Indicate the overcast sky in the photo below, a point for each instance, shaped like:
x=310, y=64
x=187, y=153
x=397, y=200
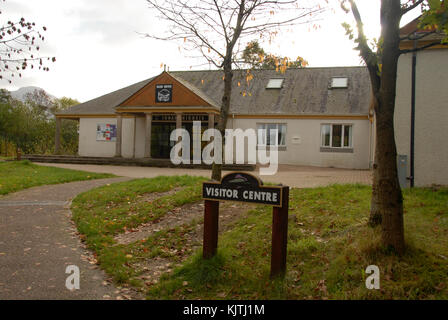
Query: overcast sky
x=99, y=49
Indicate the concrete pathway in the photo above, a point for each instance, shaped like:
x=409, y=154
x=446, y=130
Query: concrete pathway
x=294, y=176
x=38, y=241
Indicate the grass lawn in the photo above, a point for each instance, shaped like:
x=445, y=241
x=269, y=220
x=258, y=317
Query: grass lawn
x=18, y=175
x=329, y=244
x=104, y=212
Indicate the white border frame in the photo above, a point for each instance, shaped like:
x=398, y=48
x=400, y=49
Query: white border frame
x=331, y=135
x=276, y=136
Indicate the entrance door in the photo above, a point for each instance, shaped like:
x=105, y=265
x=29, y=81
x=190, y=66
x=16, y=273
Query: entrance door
x=160, y=139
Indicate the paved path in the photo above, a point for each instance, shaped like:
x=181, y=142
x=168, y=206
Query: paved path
x=38, y=241
x=294, y=176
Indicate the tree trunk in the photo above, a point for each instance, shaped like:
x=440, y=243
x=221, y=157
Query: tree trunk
x=375, y=217
x=225, y=106
x=390, y=199
x=18, y=154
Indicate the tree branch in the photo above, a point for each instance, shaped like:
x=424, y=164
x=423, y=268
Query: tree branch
x=367, y=54
x=406, y=9
x=369, y=57
x=224, y=27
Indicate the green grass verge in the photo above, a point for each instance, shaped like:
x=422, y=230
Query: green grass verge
x=7, y=158
x=19, y=175
x=329, y=244
x=329, y=247
x=102, y=213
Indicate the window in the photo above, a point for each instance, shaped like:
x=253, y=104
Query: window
x=275, y=83
x=336, y=135
x=339, y=82
x=271, y=134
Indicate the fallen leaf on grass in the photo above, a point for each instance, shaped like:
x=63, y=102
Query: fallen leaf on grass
x=440, y=287
x=321, y=287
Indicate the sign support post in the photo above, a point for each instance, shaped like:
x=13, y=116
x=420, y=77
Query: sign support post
x=211, y=216
x=280, y=236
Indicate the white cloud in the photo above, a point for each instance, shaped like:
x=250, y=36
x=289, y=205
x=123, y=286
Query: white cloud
x=98, y=49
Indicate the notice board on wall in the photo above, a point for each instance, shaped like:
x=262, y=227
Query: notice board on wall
x=106, y=132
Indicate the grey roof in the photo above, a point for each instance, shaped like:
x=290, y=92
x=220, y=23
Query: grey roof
x=305, y=91
x=106, y=103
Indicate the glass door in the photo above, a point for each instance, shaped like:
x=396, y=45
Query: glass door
x=160, y=139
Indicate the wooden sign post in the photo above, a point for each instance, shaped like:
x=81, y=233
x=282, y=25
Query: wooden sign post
x=211, y=217
x=244, y=187
x=280, y=235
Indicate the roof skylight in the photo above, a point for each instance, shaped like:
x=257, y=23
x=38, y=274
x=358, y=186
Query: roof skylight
x=339, y=82
x=275, y=83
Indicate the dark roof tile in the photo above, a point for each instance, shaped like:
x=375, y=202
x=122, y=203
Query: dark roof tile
x=305, y=91
x=106, y=103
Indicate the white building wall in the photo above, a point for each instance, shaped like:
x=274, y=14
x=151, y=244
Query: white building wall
x=303, y=142
x=88, y=146
x=140, y=137
x=127, y=146
x=304, y=150
x=431, y=115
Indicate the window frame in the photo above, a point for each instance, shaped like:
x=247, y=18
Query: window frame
x=350, y=146
x=266, y=134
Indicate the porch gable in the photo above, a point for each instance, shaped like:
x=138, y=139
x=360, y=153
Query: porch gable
x=167, y=91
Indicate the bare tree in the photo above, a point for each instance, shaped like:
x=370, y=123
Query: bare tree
x=19, y=46
x=217, y=30
x=387, y=199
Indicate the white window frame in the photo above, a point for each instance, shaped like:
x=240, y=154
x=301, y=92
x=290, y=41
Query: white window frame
x=263, y=143
x=342, y=135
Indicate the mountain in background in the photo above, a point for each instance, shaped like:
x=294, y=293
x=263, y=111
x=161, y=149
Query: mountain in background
x=22, y=93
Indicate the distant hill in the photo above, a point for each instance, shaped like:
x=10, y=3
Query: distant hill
x=24, y=91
